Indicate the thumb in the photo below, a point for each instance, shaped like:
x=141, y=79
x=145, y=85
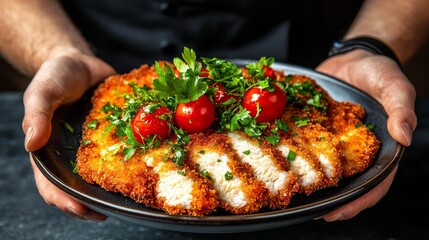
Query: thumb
x=402, y=119
x=56, y=82
x=38, y=114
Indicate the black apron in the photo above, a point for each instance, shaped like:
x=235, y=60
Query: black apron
x=128, y=33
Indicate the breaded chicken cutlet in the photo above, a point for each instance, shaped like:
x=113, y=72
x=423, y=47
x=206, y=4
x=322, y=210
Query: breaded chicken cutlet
x=231, y=170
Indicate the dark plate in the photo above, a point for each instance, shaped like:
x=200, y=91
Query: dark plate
x=54, y=160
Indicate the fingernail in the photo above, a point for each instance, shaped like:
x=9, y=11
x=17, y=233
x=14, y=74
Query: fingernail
x=339, y=217
x=72, y=212
x=94, y=216
x=28, y=136
x=406, y=130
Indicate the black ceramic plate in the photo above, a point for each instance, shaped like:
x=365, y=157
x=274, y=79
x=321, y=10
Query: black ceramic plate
x=54, y=160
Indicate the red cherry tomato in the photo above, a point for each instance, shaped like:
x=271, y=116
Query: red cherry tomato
x=221, y=95
x=204, y=73
x=271, y=104
x=269, y=72
x=177, y=73
x=145, y=123
x=195, y=116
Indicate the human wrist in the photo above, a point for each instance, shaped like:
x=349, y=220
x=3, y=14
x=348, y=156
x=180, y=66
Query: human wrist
x=370, y=44
x=58, y=52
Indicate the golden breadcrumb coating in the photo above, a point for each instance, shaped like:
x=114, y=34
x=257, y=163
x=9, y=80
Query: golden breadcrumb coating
x=231, y=171
x=98, y=163
x=241, y=192
x=267, y=165
x=358, y=145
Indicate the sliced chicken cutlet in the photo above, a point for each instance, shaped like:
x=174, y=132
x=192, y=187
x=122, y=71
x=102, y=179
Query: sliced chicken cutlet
x=326, y=141
x=303, y=164
x=179, y=190
x=318, y=141
x=147, y=177
x=358, y=145
x=306, y=124
x=268, y=166
x=238, y=190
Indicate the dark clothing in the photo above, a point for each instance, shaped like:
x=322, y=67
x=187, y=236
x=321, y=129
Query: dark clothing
x=128, y=33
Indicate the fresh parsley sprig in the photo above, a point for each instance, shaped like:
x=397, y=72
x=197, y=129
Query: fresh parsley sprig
x=228, y=74
x=297, y=92
x=256, y=70
x=189, y=87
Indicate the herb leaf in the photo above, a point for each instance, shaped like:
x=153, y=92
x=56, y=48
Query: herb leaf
x=187, y=88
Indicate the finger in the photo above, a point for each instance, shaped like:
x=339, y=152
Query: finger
x=397, y=95
x=58, y=81
x=383, y=79
x=399, y=106
x=56, y=197
x=52, y=86
x=36, y=123
x=366, y=201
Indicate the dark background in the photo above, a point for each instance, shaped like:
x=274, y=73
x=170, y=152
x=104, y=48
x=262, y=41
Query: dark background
x=401, y=214
x=417, y=71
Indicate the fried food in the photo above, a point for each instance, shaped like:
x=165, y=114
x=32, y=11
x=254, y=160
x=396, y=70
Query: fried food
x=322, y=142
x=236, y=187
x=357, y=144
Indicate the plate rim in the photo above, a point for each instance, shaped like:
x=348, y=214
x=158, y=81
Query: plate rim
x=237, y=220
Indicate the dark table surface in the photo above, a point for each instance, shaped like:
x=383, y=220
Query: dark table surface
x=401, y=214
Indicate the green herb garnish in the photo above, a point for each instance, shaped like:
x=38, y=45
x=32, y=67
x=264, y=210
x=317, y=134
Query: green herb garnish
x=291, y=156
x=228, y=175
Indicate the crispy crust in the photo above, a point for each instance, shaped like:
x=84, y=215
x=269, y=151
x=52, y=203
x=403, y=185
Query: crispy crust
x=255, y=194
x=330, y=145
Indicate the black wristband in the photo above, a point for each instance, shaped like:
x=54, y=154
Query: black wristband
x=370, y=44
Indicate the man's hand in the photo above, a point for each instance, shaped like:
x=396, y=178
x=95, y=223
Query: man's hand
x=60, y=80
x=383, y=79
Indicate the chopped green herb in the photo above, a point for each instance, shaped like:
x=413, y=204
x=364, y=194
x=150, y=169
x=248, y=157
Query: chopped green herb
x=151, y=107
x=128, y=152
x=201, y=151
x=273, y=139
x=291, y=156
x=92, y=124
x=205, y=174
x=297, y=93
x=228, y=175
x=282, y=125
x=274, y=130
x=69, y=148
x=67, y=126
x=182, y=172
x=73, y=163
x=179, y=155
x=370, y=126
x=247, y=152
x=300, y=122
x=315, y=101
x=86, y=142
